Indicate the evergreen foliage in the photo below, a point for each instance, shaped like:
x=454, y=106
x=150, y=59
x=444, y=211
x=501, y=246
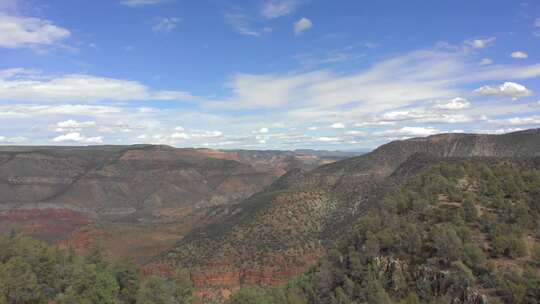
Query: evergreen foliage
x=32, y=272
x=452, y=229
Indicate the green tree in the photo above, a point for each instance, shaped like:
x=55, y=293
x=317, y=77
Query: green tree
x=447, y=243
x=90, y=285
x=511, y=287
x=20, y=282
x=535, y=255
x=96, y=255
x=473, y=256
x=155, y=290
x=127, y=276
x=371, y=246
x=470, y=212
x=182, y=286
x=249, y=295
x=374, y=291
x=412, y=298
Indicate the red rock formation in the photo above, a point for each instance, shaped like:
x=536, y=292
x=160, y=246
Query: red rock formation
x=47, y=224
x=81, y=239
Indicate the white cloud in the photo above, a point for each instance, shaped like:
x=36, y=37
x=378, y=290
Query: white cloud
x=139, y=3
x=397, y=92
x=22, y=111
x=70, y=124
x=206, y=134
x=315, y=128
x=411, y=131
x=338, y=125
x=93, y=140
x=417, y=116
x=263, y=130
x=356, y=133
x=454, y=104
x=396, y=82
x=74, y=136
x=518, y=121
x=278, y=8
x=76, y=87
x=12, y=140
x=507, y=89
x=73, y=125
x=374, y=123
x=302, y=25
x=18, y=32
x=519, y=55
x=180, y=135
x=179, y=128
x=326, y=139
x=77, y=137
x=166, y=24
x=480, y=43
x=499, y=131
x=486, y=61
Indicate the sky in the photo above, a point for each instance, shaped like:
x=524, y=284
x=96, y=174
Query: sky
x=265, y=74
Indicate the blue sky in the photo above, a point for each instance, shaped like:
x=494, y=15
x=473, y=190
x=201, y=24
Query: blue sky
x=265, y=74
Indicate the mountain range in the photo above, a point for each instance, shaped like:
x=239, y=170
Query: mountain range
x=233, y=218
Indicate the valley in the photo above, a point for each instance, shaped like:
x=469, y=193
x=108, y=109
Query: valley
x=235, y=219
x=138, y=199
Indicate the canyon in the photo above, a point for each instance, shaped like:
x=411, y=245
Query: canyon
x=138, y=200
x=232, y=218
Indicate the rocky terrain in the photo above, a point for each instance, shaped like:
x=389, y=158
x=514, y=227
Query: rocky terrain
x=233, y=218
x=139, y=199
x=280, y=232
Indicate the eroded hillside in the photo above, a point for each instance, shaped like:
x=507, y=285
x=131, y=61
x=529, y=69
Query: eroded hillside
x=280, y=232
x=138, y=199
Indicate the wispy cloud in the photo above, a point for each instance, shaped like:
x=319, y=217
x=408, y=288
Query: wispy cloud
x=20, y=85
x=255, y=23
x=457, y=103
x=140, y=3
x=519, y=55
x=20, y=32
x=480, y=43
x=486, y=61
x=277, y=8
x=245, y=24
x=166, y=24
x=413, y=94
x=417, y=76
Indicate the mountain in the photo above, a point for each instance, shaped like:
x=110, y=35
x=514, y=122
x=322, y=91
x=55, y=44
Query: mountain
x=283, y=231
x=445, y=230
x=138, y=199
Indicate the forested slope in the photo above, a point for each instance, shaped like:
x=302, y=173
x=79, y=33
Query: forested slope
x=460, y=231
